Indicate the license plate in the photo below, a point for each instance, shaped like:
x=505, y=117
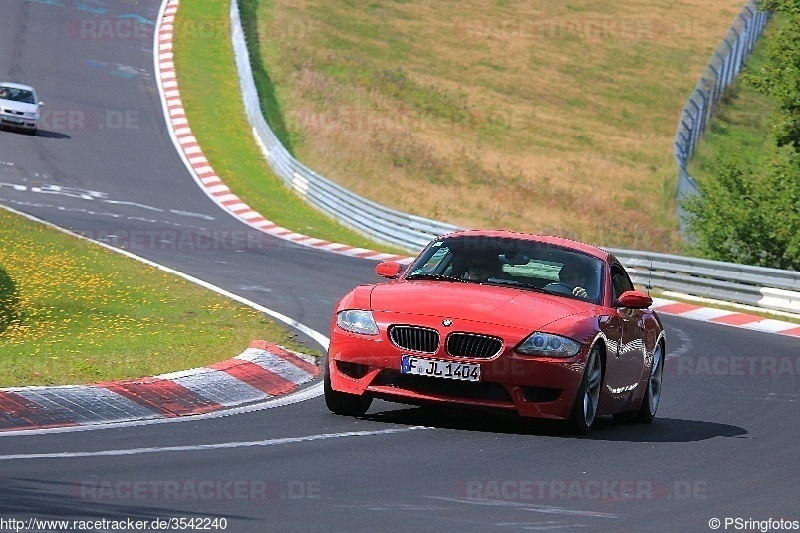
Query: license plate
x=440, y=369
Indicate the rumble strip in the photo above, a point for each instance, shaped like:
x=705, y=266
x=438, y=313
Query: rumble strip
x=261, y=372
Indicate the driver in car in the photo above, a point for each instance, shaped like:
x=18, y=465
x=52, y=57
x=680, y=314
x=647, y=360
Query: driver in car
x=570, y=277
x=481, y=268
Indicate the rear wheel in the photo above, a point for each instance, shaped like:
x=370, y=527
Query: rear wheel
x=585, y=409
x=342, y=403
x=647, y=412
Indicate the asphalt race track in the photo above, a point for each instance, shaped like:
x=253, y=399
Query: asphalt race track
x=723, y=445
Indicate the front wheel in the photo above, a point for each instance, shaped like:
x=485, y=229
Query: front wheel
x=342, y=403
x=584, y=411
x=647, y=412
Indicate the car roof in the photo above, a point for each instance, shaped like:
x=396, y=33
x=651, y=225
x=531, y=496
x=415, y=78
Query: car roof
x=16, y=86
x=587, y=249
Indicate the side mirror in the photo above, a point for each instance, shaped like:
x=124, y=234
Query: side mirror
x=635, y=300
x=389, y=269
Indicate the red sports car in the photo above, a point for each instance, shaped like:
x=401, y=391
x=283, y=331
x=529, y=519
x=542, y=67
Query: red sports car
x=546, y=326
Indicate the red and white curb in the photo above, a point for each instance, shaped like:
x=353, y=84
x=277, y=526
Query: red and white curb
x=728, y=318
x=261, y=372
x=192, y=154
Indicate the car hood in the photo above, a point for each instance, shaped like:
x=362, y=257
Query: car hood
x=19, y=106
x=482, y=303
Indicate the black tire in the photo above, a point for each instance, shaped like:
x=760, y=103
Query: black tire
x=342, y=403
x=584, y=411
x=647, y=412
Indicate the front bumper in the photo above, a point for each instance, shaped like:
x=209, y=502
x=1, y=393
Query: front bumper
x=534, y=387
x=18, y=122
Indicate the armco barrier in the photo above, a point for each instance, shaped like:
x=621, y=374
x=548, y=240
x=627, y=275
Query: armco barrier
x=768, y=288
x=763, y=287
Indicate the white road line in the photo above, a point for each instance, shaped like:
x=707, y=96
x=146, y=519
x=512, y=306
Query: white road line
x=526, y=506
x=134, y=204
x=202, y=447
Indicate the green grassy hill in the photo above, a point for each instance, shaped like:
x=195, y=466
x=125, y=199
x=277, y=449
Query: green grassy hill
x=544, y=117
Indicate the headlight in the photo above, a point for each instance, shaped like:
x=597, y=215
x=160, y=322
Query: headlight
x=357, y=321
x=549, y=345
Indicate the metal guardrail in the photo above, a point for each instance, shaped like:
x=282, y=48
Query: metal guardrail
x=762, y=287
x=726, y=62
x=768, y=288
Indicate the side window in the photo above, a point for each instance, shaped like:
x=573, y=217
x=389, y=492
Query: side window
x=620, y=280
x=435, y=261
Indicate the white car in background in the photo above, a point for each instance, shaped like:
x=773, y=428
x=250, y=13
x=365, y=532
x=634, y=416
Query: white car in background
x=19, y=107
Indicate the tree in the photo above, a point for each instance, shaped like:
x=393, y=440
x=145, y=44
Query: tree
x=780, y=76
x=748, y=214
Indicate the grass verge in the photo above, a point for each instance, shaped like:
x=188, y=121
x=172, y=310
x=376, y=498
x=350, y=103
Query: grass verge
x=72, y=312
x=207, y=78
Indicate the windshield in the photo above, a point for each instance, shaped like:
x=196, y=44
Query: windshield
x=512, y=262
x=17, y=95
